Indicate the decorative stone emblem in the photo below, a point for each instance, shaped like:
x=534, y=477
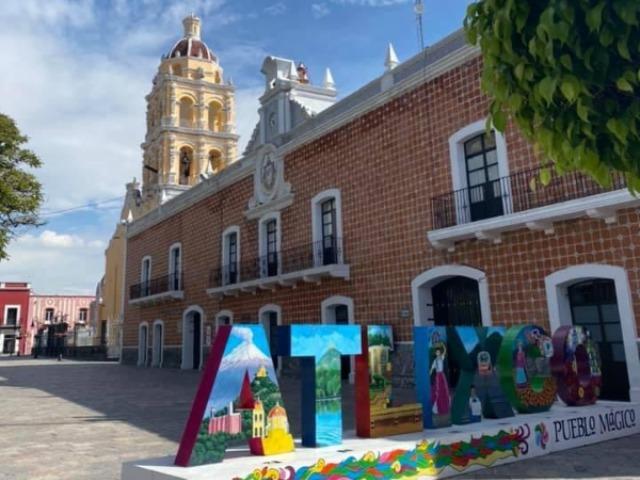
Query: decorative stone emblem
x=271, y=192
x=268, y=172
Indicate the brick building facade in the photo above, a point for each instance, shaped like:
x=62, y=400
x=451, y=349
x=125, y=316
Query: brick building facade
x=393, y=206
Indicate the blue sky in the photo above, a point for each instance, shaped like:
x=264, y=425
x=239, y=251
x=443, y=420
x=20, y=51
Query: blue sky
x=75, y=74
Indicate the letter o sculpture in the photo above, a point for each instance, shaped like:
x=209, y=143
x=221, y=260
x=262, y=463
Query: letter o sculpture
x=524, y=369
x=576, y=366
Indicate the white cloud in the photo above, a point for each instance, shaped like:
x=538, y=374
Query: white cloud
x=320, y=10
x=276, y=9
x=50, y=13
x=54, y=240
x=55, y=262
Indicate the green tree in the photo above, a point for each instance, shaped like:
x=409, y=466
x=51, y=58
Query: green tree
x=568, y=73
x=20, y=191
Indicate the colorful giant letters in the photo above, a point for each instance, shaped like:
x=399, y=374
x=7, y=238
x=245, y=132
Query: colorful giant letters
x=494, y=371
x=525, y=370
x=477, y=393
x=320, y=348
x=376, y=416
x=432, y=381
x=576, y=360
x=238, y=400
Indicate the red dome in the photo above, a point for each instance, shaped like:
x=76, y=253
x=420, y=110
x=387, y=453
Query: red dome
x=191, y=47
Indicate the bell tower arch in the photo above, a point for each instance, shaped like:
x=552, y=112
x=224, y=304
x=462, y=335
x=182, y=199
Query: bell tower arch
x=190, y=114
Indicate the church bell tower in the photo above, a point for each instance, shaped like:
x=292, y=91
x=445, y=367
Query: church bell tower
x=190, y=120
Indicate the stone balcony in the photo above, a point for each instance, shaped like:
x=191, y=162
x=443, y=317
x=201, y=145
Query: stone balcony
x=510, y=203
x=283, y=269
x=157, y=290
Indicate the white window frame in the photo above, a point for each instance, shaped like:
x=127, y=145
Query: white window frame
x=458, y=166
x=421, y=293
x=262, y=240
x=220, y=314
x=225, y=252
x=157, y=362
x=187, y=350
x=6, y=310
x=316, y=222
x=142, y=354
x=142, y=269
x=86, y=311
x=559, y=308
x=261, y=320
x=175, y=246
x=328, y=317
x=52, y=316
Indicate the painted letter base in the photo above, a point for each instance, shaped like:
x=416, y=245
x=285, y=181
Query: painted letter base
x=566, y=427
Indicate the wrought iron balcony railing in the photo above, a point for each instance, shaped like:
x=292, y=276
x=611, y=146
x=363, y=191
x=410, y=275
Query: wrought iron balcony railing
x=513, y=194
x=155, y=286
x=324, y=252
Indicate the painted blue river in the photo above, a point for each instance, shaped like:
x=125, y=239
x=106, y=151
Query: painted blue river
x=328, y=428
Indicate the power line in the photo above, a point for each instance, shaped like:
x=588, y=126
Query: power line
x=79, y=207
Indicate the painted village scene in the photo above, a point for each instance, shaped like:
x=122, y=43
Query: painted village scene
x=245, y=405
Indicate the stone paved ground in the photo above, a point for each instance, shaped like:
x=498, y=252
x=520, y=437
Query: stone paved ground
x=81, y=420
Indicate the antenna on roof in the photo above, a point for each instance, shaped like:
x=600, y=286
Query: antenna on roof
x=418, y=8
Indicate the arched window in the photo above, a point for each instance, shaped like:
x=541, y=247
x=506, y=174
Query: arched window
x=231, y=255
x=186, y=112
x=143, y=344
x=269, y=237
x=326, y=227
x=478, y=167
x=216, y=114
x=223, y=317
x=175, y=267
x=339, y=310
x=270, y=317
x=215, y=161
x=157, y=346
x=145, y=276
x=186, y=165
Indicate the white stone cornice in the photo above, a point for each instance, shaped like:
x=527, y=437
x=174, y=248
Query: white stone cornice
x=198, y=132
x=230, y=175
x=176, y=80
x=602, y=206
x=276, y=205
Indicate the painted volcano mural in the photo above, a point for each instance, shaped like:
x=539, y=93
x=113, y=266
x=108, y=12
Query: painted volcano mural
x=242, y=401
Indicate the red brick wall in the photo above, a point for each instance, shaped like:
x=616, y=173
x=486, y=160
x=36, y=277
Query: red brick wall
x=387, y=164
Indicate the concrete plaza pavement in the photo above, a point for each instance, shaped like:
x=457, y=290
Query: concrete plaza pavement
x=74, y=420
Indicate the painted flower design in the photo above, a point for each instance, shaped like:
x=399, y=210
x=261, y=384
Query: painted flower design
x=542, y=435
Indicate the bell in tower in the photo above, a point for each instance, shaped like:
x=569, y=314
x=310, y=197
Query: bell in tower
x=190, y=119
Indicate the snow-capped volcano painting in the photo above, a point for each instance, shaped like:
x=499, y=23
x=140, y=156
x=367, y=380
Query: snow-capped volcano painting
x=247, y=351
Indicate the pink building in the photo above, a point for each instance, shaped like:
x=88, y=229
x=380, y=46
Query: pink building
x=72, y=309
x=230, y=423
